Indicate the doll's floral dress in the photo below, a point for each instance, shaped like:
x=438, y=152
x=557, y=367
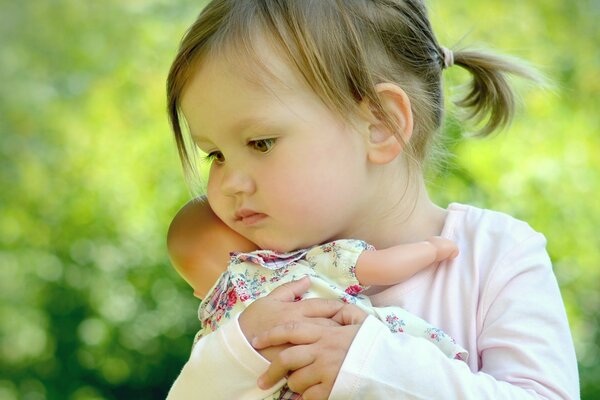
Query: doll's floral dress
x=330, y=266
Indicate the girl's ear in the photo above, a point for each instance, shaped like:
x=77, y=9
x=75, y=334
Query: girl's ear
x=384, y=144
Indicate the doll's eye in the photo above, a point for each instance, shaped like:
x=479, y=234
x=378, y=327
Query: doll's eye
x=262, y=145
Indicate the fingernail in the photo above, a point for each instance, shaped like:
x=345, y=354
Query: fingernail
x=261, y=382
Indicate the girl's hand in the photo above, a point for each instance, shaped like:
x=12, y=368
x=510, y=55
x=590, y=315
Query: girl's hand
x=318, y=354
x=280, y=307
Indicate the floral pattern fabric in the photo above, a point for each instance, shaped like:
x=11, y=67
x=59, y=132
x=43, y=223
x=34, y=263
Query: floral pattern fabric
x=331, y=267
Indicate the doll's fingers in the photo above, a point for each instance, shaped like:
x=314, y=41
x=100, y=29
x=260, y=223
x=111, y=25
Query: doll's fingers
x=290, y=332
x=287, y=360
x=323, y=308
x=290, y=291
x=445, y=248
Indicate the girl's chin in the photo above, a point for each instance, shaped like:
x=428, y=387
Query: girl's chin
x=279, y=247
x=286, y=242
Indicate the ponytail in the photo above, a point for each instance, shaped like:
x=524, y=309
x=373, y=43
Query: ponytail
x=490, y=95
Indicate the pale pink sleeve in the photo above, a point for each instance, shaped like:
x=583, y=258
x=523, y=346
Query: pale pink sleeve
x=524, y=344
x=223, y=365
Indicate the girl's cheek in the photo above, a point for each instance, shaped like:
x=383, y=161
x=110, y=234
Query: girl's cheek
x=212, y=187
x=213, y=176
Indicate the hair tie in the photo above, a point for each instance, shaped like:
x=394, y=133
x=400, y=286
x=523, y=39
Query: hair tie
x=448, y=57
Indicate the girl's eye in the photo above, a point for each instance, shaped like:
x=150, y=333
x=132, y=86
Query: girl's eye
x=262, y=145
x=216, y=156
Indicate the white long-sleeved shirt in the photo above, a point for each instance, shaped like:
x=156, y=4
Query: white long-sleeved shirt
x=499, y=299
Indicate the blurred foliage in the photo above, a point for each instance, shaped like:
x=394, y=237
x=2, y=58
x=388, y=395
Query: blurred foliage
x=89, y=306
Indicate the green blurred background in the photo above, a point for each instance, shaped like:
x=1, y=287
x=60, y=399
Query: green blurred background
x=89, y=177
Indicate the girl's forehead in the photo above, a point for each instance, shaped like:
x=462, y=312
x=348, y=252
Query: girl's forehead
x=260, y=63
x=234, y=78
x=227, y=87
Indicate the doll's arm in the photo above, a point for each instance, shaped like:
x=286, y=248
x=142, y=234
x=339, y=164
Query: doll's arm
x=199, y=244
x=396, y=264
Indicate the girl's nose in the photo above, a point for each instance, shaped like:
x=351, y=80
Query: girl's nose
x=237, y=181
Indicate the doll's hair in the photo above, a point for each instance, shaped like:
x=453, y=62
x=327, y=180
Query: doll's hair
x=342, y=49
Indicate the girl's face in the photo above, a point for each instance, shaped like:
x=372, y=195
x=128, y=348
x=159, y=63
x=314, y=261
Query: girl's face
x=286, y=171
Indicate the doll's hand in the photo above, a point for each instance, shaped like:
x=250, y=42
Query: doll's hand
x=317, y=355
x=445, y=248
x=280, y=307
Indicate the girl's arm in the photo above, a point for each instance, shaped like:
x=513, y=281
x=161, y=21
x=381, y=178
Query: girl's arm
x=525, y=350
x=199, y=244
x=523, y=346
x=397, y=264
x=222, y=365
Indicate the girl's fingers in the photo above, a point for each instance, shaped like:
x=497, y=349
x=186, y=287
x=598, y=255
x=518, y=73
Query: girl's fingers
x=291, y=332
x=324, y=322
x=288, y=360
x=323, y=308
x=350, y=315
x=290, y=291
x=303, y=378
x=317, y=392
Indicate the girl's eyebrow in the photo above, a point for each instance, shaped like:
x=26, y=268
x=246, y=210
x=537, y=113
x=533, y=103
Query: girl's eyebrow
x=249, y=123
x=198, y=139
x=240, y=126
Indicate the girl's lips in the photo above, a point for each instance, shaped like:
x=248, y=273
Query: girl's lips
x=252, y=219
x=248, y=217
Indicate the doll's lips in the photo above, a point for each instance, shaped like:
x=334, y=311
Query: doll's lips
x=249, y=217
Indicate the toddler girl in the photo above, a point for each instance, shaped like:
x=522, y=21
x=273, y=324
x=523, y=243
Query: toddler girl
x=317, y=117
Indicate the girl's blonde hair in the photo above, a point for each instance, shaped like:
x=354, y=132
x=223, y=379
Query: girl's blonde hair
x=342, y=49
